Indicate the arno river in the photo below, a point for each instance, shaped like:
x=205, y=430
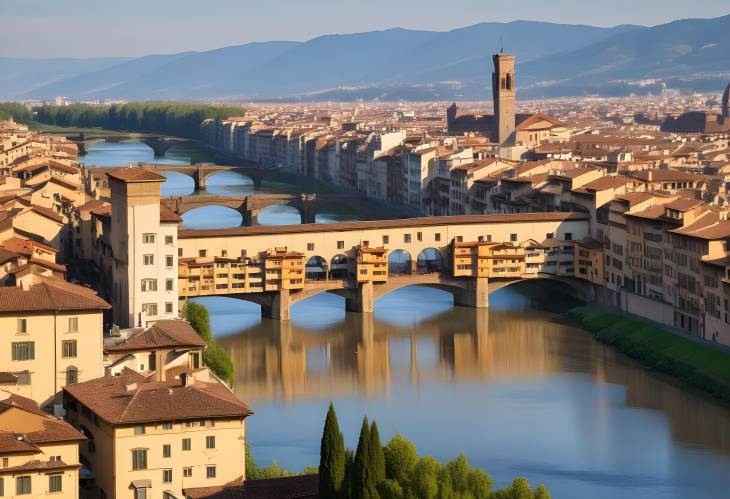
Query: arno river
x=514, y=389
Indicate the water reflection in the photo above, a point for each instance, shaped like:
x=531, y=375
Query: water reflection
x=516, y=390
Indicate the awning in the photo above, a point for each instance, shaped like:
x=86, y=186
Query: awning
x=142, y=484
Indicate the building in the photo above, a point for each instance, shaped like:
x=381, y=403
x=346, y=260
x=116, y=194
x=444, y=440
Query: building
x=149, y=438
x=701, y=121
x=39, y=452
x=52, y=337
x=143, y=256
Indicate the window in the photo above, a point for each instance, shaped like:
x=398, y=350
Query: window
x=168, y=307
x=568, y=236
x=549, y=235
x=340, y=244
x=72, y=375
x=513, y=238
x=166, y=476
x=55, y=483
x=167, y=426
x=23, y=350
x=140, y=493
x=69, y=348
x=73, y=324
x=224, y=253
x=459, y=239
x=210, y=471
x=148, y=238
x=210, y=442
x=22, y=326
x=169, y=240
x=386, y=239
x=243, y=253
x=139, y=459
x=169, y=284
x=169, y=260
x=186, y=444
x=310, y=246
x=166, y=450
x=22, y=485
x=149, y=285
x=2, y=486
x=419, y=236
x=202, y=252
x=148, y=259
x=187, y=471
x=149, y=309
x=406, y=238
x=139, y=430
x=437, y=236
x=180, y=252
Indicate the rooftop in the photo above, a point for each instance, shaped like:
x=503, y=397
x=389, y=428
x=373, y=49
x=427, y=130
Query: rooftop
x=49, y=294
x=131, y=175
x=161, y=334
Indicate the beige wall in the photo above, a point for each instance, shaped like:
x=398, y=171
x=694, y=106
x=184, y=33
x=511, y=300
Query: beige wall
x=48, y=369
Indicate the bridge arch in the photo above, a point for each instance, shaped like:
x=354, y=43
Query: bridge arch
x=335, y=211
x=339, y=266
x=224, y=216
x=177, y=184
x=226, y=182
x=430, y=260
x=279, y=213
x=316, y=268
x=400, y=262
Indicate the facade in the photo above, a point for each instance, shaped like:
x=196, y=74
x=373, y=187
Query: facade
x=144, y=260
x=504, y=95
x=53, y=337
x=150, y=438
x=39, y=452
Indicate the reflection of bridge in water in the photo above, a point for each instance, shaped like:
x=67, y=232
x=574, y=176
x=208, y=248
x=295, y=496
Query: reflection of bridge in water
x=251, y=205
x=367, y=356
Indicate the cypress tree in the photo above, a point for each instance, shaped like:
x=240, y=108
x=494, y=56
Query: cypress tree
x=376, y=448
x=332, y=458
x=363, y=486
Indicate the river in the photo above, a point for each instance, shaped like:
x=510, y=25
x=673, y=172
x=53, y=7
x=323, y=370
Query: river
x=512, y=387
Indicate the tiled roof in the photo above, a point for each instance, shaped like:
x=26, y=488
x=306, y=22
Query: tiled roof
x=24, y=246
x=48, y=213
x=136, y=175
x=291, y=487
x=168, y=333
x=37, y=464
x=168, y=216
x=132, y=398
x=50, y=294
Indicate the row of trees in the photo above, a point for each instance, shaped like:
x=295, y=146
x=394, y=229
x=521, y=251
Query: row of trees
x=214, y=356
x=171, y=118
x=397, y=472
x=16, y=111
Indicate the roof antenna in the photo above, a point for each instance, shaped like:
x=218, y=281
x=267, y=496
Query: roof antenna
x=501, y=45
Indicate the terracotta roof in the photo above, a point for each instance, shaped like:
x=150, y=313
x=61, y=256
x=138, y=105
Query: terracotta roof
x=37, y=464
x=718, y=230
x=383, y=224
x=6, y=377
x=48, y=213
x=605, y=183
x=683, y=204
x=91, y=205
x=168, y=216
x=6, y=256
x=161, y=334
x=136, y=175
x=291, y=487
x=23, y=246
x=133, y=398
x=49, y=294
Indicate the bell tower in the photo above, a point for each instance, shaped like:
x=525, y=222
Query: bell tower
x=503, y=93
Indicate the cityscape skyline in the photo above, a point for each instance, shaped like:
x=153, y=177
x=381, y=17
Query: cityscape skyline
x=143, y=29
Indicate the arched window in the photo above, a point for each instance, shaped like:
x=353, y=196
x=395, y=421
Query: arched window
x=72, y=375
x=502, y=84
x=509, y=82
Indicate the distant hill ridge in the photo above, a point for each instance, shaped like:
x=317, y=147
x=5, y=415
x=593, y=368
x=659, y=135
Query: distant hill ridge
x=553, y=60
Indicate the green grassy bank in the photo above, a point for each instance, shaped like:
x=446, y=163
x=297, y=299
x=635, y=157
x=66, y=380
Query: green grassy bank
x=699, y=365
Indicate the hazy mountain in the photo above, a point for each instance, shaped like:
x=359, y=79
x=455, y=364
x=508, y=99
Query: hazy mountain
x=19, y=77
x=553, y=59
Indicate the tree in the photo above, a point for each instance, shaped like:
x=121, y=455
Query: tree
x=378, y=457
x=390, y=489
x=199, y=318
x=346, y=490
x=332, y=458
x=363, y=483
x=520, y=488
x=400, y=458
x=424, y=482
x=542, y=492
x=214, y=356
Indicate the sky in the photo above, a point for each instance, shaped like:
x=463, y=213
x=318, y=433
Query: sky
x=130, y=28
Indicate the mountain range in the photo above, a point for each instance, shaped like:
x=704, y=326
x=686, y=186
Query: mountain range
x=553, y=60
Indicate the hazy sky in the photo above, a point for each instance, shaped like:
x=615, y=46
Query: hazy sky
x=89, y=28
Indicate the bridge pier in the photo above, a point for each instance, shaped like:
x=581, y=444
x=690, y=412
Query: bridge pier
x=278, y=306
x=308, y=214
x=364, y=300
x=474, y=294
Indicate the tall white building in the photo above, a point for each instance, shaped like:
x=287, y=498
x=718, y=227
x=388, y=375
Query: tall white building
x=144, y=248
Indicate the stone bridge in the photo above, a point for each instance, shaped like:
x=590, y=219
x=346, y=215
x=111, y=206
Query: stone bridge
x=250, y=205
x=160, y=144
x=202, y=173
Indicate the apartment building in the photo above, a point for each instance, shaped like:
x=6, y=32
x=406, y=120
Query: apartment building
x=143, y=256
x=149, y=438
x=52, y=337
x=39, y=452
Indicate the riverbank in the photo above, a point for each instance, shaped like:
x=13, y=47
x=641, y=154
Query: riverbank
x=693, y=362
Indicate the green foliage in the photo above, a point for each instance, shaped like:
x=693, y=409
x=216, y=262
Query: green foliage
x=346, y=490
x=332, y=458
x=214, y=356
x=698, y=364
x=180, y=119
x=17, y=111
x=378, y=457
x=400, y=458
x=425, y=480
x=542, y=492
x=390, y=489
x=364, y=484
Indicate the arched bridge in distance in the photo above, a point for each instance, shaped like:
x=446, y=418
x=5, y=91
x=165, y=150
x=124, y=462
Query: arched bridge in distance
x=160, y=144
